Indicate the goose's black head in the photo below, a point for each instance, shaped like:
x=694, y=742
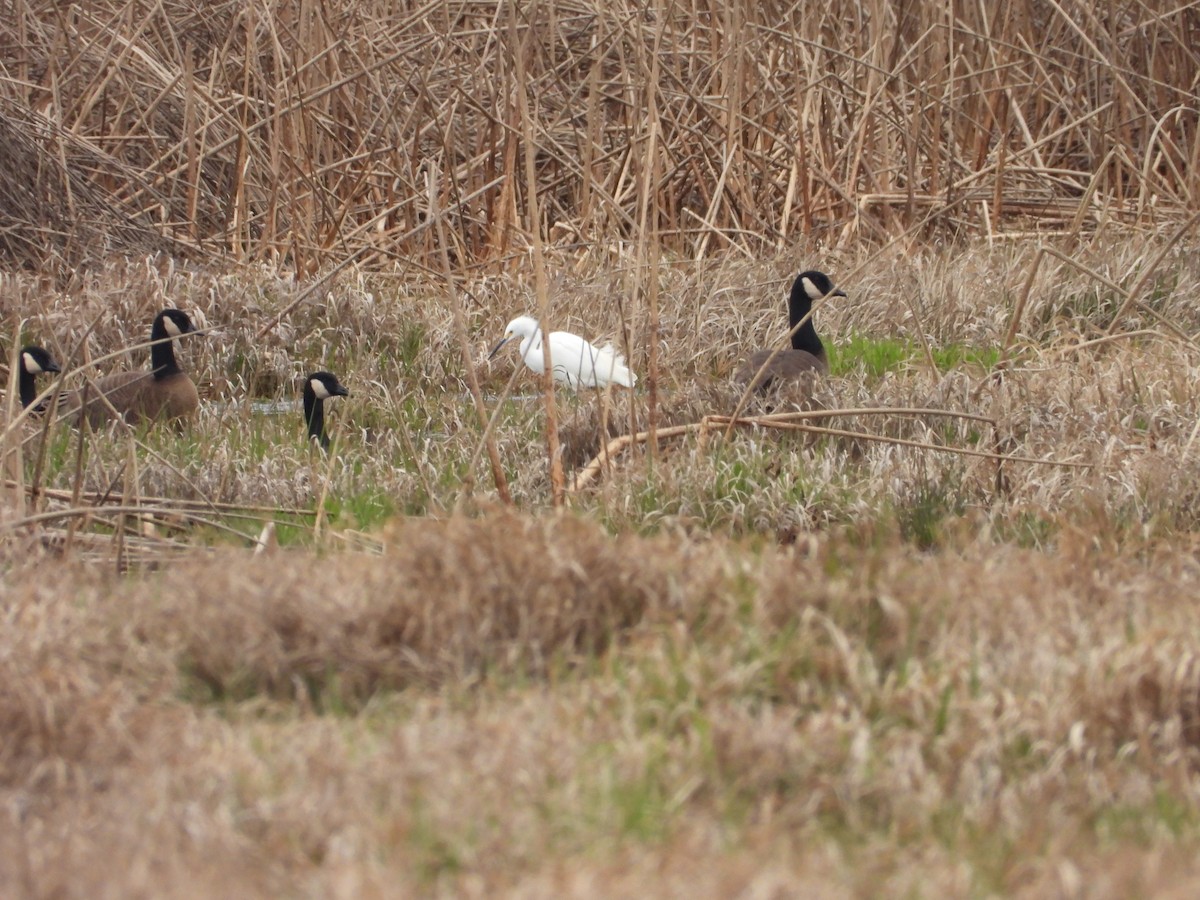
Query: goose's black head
x=319, y=387
x=37, y=360
x=168, y=325
x=171, y=323
x=808, y=286
x=34, y=361
x=815, y=285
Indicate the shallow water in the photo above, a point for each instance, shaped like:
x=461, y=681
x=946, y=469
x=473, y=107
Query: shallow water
x=273, y=407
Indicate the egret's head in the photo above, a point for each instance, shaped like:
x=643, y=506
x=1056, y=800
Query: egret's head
x=520, y=327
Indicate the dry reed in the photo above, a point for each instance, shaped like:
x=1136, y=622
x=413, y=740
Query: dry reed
x=279, y=134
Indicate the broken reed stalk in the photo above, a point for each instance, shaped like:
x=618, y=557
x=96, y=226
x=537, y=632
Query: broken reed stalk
x=464, y=346
x=589, y=471
x=129, y=501
x=77, y=470
x=790, y=422
x=227, y=509
x=907, y=442
x=42, y=436
x=490, y=428
x=10, y=444
x=121, y=512
x=1107, y=339
x=648, y=231
x=518, y=48
x=326, y=480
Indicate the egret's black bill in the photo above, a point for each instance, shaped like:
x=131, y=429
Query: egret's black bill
x=496, y=349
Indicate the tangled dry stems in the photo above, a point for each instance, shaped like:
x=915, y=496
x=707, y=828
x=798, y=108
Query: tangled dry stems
x=407, y=434
x=286, y=134
x=528, y=704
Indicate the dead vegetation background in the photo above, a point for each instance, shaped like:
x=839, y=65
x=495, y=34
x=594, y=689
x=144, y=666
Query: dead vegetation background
x=309, y=133
x=772, y=664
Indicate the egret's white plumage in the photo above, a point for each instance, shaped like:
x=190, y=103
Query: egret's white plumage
x=576, y=362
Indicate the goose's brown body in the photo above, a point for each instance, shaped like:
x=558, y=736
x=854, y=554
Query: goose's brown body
x=140, y=397
x=787, y=365
x=165, y=393
x=806, y=359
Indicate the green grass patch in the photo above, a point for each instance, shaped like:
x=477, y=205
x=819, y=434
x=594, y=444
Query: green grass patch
x=875, y=357
x=1167, y=813
x=922, y=520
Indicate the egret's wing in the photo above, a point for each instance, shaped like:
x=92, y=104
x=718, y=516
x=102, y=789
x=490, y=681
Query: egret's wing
x=610, y=366
x=580, y=364
x=572, y=358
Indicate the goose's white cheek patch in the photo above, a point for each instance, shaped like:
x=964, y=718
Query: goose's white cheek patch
x=811, y=290
x=318, y=388
x=170, y=326
x=31, y=364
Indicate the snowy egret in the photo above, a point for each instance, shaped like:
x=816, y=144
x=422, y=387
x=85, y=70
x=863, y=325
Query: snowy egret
x=319, y=387
x=807, y=356
x=165, y=392
x=34, y=361
x=576, y=362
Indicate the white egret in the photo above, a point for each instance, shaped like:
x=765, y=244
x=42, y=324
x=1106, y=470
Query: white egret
x=577, y=363
x=319, y=387
x=807, y=355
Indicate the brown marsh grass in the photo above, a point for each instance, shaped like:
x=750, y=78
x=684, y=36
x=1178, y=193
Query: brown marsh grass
x=762, y=663
x=661, y=714
x=873, y=660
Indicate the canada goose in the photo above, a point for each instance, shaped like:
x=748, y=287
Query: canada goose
x=163, y=393
x=34, y=361
x=576, y=362
x=807, y=356
x=319, y=387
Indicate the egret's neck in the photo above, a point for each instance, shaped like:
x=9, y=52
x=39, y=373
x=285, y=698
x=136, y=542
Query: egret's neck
x=532, y=342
